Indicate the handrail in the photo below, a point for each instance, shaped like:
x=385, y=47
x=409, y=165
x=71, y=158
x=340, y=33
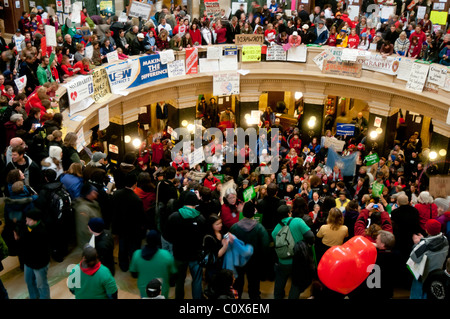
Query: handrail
x=372, y=86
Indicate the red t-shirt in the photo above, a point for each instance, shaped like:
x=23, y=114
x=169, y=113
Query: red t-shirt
x=270, y=35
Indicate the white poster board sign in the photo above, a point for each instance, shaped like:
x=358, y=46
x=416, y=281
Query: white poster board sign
x=322, y=56
x=213, y=52
x=80, y=140
x=297, y=54
x=334, y=143
x=226, y=84
x=350, y=55
x=76, y=12
x=417, y=77
x=176, y=68
x=235, y=6
x=50, y=35
x=103, y=117
x=404, y=68
x=140, y=10
x=275, y=53
x=437, y=75
x=208, y=65
x=89, y=51
x=228, y=63
x=21, y=83
x=386, y=11
x=421, y=10
x=353, y=11
x=166, y=56
x=112, y=56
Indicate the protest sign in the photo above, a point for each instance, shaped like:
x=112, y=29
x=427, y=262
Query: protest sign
x=101, y=84
x=276, y=53
x=226, y=84
x=176, y=68
x=297, y=54
x=50, y=35
x=243, y=39
x=138, y=9
x=345, y=129
x=191, y=61
x=417, y=77
x=342, y=68
x=21, y=83
x=103, y=117
x=251, y=53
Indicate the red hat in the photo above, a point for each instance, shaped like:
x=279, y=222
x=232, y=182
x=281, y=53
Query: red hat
x=433, y=227
x=266, y=122
x=351, y=146
x=360, y=146
x=401, y=120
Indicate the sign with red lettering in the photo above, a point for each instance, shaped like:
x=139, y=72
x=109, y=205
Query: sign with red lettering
x=191, y=61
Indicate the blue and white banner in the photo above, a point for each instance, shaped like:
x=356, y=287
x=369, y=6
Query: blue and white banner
x=345, y=129
x=135, y=72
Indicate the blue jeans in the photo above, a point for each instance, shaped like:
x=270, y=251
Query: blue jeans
x=417, y=290
x=282, y=274
x=37, y=282
x=166, y=245
x=196, y=274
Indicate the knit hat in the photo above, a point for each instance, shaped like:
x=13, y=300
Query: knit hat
x=245, y=181
x=55, y=152
x=153, y=288
x=97, y=225
x=191, y=199
x=433, y=227
x=34, y=214
x=98, y=156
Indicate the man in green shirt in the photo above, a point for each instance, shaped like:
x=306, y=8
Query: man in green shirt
x=283, y=269
x=44, y=72
x=90, y=279
x=150, y=262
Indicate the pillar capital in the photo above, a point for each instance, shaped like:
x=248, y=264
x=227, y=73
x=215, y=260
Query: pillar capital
x=314, y=98
x=441, y=127
x=381, y=109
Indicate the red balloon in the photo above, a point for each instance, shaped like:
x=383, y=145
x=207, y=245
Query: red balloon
x=343, y=268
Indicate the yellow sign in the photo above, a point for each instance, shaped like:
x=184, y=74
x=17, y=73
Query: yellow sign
x=104, y=5
x=251, y=53
x=102, y=90
x=437, y=17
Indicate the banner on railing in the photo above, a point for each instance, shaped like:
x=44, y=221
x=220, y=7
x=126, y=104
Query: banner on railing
x=101, y=84
x=387, y=65
x=297, y=54
x=242, y=39
x=135, y=72
x=275, y=53
x=191, y=61
x=251, y=53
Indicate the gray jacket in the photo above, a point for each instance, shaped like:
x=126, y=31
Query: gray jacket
x=436, y=250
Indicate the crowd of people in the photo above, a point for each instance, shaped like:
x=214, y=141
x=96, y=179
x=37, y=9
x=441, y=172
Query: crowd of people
x=201, y=218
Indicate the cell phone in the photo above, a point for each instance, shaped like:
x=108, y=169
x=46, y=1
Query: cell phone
x=37, y=125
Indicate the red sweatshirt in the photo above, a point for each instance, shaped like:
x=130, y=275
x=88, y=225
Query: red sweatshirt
x=353, y=41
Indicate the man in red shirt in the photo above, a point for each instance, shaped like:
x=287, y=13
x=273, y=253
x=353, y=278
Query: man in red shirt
x=420, y=35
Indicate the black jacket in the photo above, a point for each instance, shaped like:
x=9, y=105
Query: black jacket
x=268, y=208
x=104, y=244
x=35, y=247
x=186, y=235
x=405, y=222
x=128, y=214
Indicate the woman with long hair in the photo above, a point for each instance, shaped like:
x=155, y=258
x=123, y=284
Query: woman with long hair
x=72, y=179
x=70, y=154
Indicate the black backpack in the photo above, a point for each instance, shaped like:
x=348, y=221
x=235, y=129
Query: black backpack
x=61, y=211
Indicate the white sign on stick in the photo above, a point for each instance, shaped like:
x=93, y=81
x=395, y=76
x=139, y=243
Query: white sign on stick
x=103, y=117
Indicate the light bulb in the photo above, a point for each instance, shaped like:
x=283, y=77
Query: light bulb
x=184, y=123
x=127, y=139
x=373, y=134
x=247, y=116
x=443, y=152
x=432, y=155
x=136, y=142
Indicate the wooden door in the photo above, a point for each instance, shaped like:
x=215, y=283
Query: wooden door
x=13, y=12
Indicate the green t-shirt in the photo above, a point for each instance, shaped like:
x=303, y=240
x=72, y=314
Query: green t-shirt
x=161, y=266
x=98, y=286
x=298, y=228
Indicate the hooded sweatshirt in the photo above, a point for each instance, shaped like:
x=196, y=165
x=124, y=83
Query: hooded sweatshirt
x=322, y=35
x=253, y=233
x=94, y=282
